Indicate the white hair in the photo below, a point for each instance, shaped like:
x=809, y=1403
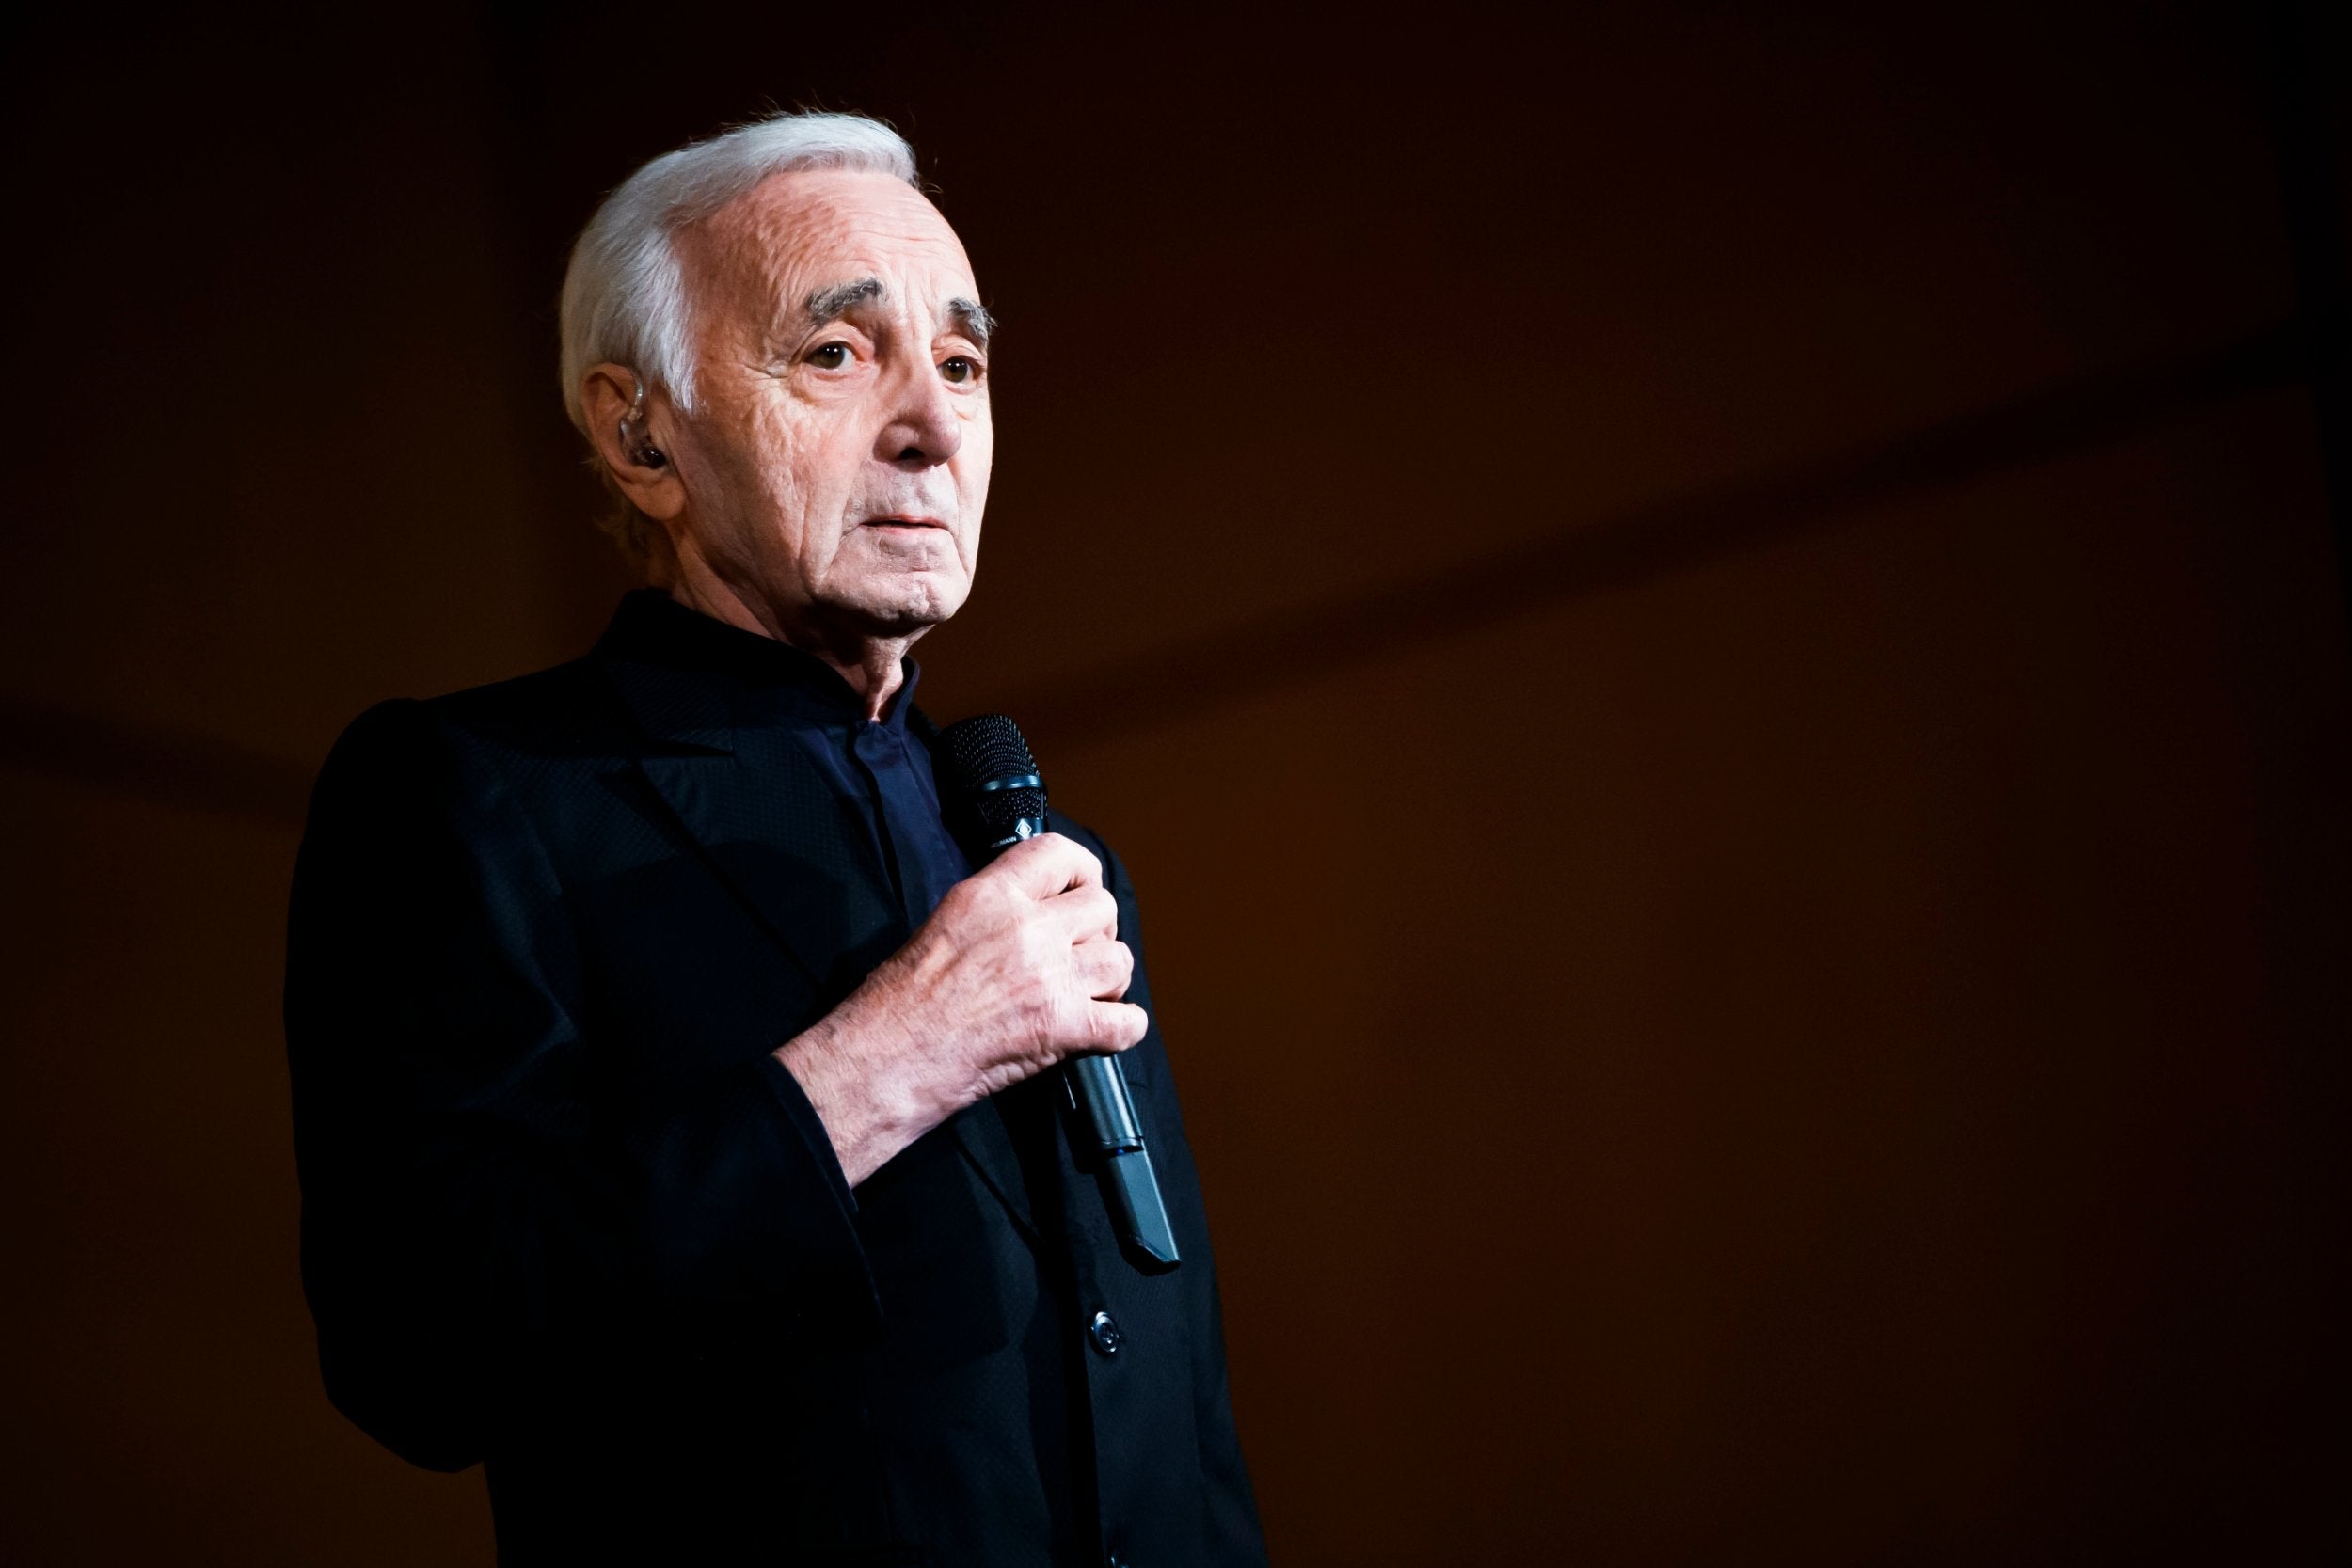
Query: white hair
x=625, y=293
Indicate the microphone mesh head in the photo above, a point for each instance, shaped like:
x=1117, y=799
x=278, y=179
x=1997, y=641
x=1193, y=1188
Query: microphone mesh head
x=978, y=751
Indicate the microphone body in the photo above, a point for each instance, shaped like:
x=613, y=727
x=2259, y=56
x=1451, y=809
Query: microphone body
x=999, y=800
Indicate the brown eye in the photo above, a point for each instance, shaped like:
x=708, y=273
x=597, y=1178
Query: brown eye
x=832, y=356
x=959, y=371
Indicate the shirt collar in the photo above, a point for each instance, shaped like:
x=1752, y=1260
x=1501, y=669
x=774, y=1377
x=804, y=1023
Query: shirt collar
x=771, y=680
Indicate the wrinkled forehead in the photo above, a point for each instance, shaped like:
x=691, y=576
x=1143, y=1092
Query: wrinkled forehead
x=764, y=255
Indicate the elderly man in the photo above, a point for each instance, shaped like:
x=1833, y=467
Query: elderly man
x=669, y=1090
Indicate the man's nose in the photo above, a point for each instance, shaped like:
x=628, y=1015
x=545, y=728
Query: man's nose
x=923, y=429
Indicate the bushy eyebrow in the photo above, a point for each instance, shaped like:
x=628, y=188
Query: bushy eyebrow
x=832, y=303
x=973, y=318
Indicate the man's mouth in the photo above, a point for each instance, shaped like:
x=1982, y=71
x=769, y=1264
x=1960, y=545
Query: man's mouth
x=905, y=522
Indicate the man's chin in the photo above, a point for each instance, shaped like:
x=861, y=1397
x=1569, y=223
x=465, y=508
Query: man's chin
x=904, y=604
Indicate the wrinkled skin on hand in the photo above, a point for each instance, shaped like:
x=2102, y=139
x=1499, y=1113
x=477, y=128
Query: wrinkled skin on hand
x=1019, y=968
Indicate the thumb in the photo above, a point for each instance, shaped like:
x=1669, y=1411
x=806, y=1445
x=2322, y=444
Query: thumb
x=1048, y=864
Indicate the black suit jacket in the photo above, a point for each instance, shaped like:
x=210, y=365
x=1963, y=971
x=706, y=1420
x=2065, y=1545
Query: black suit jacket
x=563, y=1212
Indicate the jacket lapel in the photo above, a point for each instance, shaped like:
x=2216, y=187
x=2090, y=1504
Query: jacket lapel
x=754, y=809
x=782, y=854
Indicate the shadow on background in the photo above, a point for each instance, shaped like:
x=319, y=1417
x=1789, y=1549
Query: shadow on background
x=1765, y=979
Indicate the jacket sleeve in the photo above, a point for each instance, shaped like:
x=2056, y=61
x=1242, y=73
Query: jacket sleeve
x=1230, y=1526
x=475, y=1214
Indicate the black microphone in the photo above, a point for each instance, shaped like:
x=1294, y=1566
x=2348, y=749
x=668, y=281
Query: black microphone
x=996, y=799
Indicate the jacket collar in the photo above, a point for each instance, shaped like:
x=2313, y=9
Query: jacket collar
x=689, y=680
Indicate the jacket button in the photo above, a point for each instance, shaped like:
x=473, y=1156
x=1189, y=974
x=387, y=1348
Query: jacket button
x=1103, y=1332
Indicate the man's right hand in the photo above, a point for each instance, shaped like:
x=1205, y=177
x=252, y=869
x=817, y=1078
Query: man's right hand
x=1019, y=967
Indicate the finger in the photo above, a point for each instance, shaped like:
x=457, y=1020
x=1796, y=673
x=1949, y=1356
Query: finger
x=1086, y=913
x=1104, y=968
x=1047, y=864
x=1115, y=1026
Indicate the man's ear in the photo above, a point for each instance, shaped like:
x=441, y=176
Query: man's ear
x=633, y=440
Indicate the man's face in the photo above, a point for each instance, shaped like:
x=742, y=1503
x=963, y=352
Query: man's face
x=837, y=462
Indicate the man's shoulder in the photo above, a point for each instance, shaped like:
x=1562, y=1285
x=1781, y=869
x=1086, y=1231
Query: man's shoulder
x=556, y=711
x=553, y=712
x=520, y=730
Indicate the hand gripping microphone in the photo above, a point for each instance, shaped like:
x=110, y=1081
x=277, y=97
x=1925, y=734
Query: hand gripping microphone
x=997, y=800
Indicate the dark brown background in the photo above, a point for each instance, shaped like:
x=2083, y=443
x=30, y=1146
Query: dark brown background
x=1765, y=977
